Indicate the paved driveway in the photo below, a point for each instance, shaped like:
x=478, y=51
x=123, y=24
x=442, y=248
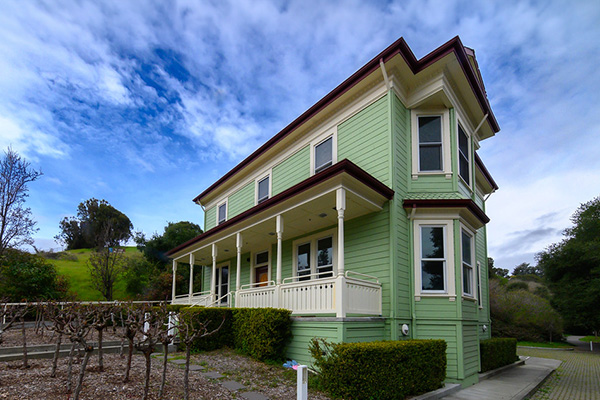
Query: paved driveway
x=578, y=378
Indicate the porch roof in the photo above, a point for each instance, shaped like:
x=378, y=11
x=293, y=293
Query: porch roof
x=306, y=206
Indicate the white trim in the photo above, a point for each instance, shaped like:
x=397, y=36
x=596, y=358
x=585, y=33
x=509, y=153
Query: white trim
x=446, y=148
x=312, y=239
x=253, y=264
x=449, y=274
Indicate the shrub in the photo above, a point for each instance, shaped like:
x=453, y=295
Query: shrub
x=262, y=333
x=380, y=370
x=497, y=352
x=212, y=316
x=517, y=286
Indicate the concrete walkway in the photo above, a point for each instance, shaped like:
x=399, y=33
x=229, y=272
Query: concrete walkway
x=513, y=383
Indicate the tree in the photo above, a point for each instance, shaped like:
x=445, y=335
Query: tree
x=572, y=269
x=105, y=266
x=97, y=225
x=31, y=277
x=175, y=233
x=496, y=272
x=16, y=223
x=527, y=269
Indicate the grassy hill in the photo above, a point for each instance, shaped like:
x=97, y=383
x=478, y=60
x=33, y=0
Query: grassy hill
x=74, y=265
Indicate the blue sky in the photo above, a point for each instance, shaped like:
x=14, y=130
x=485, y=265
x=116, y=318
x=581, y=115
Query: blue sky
x=145, y=104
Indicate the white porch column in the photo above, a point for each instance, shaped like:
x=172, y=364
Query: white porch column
x=238, y=245
x=213, y=281
x=279, y=230
x=174, y=277
x=341, y=292
x=192, y=260
x=340, y=206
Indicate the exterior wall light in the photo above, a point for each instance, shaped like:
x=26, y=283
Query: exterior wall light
x=484, y=328
x=405, y=329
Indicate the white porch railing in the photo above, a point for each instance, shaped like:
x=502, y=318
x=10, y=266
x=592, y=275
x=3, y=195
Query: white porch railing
x=351, y=293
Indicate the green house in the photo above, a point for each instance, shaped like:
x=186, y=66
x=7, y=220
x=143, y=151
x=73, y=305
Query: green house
x=365, y=216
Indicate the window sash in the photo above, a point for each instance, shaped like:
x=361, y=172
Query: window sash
x=263, y=190
x=222, y=213
x=433, y=259
x=467, y=262
x=430, y=143
x=324, y=154
x=463, y=155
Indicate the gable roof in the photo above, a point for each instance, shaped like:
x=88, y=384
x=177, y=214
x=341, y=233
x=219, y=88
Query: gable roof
x=399, y=47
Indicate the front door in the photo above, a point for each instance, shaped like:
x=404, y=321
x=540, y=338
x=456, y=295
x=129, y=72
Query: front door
x=261, y=275
x=222, y=283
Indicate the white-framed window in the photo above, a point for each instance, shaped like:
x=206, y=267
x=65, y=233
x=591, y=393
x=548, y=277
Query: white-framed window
x=221, y=213
x=261, y=268
x=464, y=156
x=431, y=142
x=433, y=259
x=434, y=274
x=222, y=282
x=479, y=290
x=466, y=244
x=263, y=189
x=314, y=256
x=323, y=154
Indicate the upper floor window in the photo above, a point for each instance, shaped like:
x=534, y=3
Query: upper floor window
x=467, y=263
x=463, y=155
x=430, y=143
x=222, y=213
x=263, y=190
x=324, y=154
x=433, y=259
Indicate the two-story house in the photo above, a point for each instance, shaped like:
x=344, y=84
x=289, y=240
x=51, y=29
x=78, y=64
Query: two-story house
x=366, y=215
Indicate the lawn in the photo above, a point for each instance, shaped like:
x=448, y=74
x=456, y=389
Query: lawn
x=552, y=345
x=78, y=275
x=595, y=339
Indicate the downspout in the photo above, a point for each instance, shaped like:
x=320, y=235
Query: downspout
x=411, y=272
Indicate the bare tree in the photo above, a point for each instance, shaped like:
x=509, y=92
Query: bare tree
x=149, y=329
x=105, y=266
x=101, y=319
x=16, y=225
x=54, y=312
x=190, y=329
x=131, y=321
x=166, y=334
x=9, y=314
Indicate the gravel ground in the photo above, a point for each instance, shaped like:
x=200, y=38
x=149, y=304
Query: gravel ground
x=273, y=381
x=578, y=378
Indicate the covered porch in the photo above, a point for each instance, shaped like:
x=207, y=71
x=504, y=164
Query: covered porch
x=310, y=218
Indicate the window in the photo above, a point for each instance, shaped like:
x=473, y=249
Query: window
x=303, y=262
x=463, y=155
x=261, y=268
x=467, y=263
x=325, y=257
x=263, y=190
x=433, y=259
x=222, y=214
x=314, y=256
x=323, y=155
x=479, y=284
x=430, y=143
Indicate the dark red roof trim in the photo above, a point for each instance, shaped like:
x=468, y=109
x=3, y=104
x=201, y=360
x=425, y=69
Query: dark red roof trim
x=398, y=47
x=449, y=203
x=485, y=172
x=344, y=166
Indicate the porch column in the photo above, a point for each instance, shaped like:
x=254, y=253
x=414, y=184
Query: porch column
x=238, y=277
x=340, y=206
x=213, y=281
x=192, y=260
x=279, y=230
x=174, y=277
x=341, y=290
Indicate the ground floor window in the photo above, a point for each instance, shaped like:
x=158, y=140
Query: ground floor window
x=314, y=257
x=222, y=283
x=467, y=262
x=261, y=268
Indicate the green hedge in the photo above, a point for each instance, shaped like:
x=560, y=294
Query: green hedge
x=497, y=352
x=262, y=333
x=380, y=370
x=213, y=316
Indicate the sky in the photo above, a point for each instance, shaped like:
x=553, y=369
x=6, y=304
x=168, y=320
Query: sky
x=147, y=103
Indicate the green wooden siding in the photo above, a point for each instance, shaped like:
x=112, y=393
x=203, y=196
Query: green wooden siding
x=367, y=249
x=431, y=184
x=436, y=308
x=241, y=200
x=291, y=171
x=364, y=140
x=447, y=332
x=210, y=218
x=470, y=349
